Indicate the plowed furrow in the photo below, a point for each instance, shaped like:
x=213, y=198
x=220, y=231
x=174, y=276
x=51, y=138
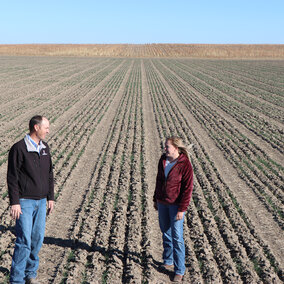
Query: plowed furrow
x=46, y=97
x=270, y=131
x=242, y=148
x=70, y=231
x=68, y=143
x=101, y=201
x=271, y=94
x=171, y=128
x=109, y=120
x=243, y=92
x=27, y=90
x=15, y=70
x=256, y=72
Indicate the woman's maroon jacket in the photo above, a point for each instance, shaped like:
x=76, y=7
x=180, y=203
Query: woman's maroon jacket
x=177, y=188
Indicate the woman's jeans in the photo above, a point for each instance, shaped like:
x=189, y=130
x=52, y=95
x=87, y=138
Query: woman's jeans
x=30, y=234
x=173, y=243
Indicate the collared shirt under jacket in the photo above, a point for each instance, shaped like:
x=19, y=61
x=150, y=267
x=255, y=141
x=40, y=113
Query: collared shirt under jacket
x=30, y=173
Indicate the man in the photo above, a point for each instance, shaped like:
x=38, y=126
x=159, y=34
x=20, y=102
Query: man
x=30, y=184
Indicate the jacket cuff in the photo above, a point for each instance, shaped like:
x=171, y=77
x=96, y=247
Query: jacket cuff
x=182, y=209
x=15, y=201
x=49, y=197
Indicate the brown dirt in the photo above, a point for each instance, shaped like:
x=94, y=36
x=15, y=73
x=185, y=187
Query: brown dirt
x=109, y=120
x=250, y=204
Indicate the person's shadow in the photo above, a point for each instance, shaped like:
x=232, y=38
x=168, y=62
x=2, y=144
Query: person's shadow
x=75, y=244
x=134, y=256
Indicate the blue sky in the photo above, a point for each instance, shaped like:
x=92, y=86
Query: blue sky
x=156, y=21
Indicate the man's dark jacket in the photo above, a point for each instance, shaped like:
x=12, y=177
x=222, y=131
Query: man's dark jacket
x=30, y=174
x=177, y=187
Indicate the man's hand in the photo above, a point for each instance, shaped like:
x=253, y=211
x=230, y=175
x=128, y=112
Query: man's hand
x=155, y=205
x=16, y=211
x=180, y=215
x=50, y=206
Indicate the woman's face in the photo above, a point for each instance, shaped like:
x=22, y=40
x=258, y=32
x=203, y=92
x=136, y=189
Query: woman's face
x=171, y=150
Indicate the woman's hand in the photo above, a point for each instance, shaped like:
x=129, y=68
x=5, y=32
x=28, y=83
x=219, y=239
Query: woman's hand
x=179, y=215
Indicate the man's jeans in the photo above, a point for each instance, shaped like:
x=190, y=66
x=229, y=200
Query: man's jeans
x=173, y=243
x=30, y=234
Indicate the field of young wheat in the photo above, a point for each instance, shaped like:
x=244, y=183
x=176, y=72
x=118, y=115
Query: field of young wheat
x=109, y=120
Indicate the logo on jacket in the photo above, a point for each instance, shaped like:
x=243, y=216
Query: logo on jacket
x=43, y=153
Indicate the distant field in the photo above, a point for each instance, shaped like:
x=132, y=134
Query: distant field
x=109, y=119
x=148, y=50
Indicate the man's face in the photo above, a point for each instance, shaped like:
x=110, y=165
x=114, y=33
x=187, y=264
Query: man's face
x=42, y=129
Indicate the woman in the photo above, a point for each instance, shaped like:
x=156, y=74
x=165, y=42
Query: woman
x=174, y=185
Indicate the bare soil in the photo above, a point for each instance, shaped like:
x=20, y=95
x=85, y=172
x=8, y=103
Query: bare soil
x=109, y=119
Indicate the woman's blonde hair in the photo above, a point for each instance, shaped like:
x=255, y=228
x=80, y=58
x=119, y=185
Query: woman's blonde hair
x=178, y=143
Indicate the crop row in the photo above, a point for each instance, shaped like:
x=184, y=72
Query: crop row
x=234, y=92
x=107, y=238
x=269, y=132
x=242, y=86
x=21, y=89
x=70, y=141
x=71, y=145
x=12, y=71
x=58, y=101
x=220, y=221
x=261, y=173
x=51, y=91
x=36, y=74
x=109, y=228
x=267, y=72
x=74, y=138
x=124, y=255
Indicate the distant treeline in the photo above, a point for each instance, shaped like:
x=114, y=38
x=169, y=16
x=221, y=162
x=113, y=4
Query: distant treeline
x=148, y=50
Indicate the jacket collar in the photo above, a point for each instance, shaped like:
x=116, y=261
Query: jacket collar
x=181, y=158
x=31, y=147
